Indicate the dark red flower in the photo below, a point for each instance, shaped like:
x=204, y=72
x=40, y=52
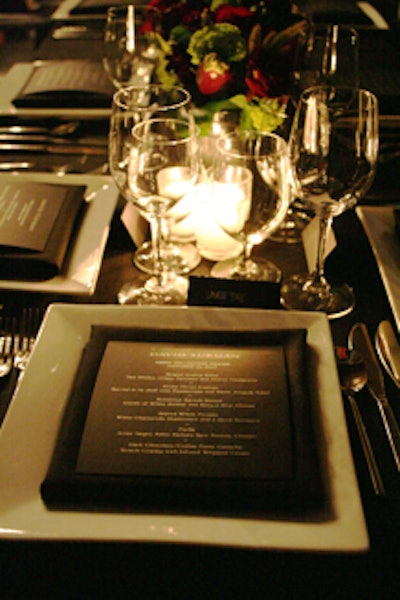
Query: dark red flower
x=232, y=14
x=257, y=83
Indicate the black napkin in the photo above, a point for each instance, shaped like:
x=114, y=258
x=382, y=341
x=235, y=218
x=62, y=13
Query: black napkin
x=66, y=84
x=26, y=264
x=380, y=68
x=335, y=11
x=7, y=388
x=396, y=214
x=96, y=7
x=300, y=488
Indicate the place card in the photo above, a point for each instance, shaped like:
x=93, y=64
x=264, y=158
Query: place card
x=66, y=83
x=310, y=235
x=188, y=420
x=37, y=221
x=135, y=224
x=212, y=291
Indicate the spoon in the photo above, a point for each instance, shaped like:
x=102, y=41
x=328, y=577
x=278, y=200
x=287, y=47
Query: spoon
x=353, y=377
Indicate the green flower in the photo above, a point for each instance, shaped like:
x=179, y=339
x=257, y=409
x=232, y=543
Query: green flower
x=224, y=39
x=260, y=114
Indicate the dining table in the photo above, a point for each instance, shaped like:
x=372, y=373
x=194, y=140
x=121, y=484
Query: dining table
x=149, y=569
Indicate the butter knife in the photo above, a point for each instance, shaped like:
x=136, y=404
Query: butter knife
x=360, y=340
x=45, y=148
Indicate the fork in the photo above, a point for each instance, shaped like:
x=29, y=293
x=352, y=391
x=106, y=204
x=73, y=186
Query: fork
x=6, y=345
x=26, y=337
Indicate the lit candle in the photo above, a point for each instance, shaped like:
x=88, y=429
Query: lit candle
x=177, y=183
x=213, y=242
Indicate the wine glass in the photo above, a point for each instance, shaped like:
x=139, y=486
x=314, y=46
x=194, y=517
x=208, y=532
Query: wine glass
x=327, y=55
x=131, y=45
x=142, y=102
x=250, y=188
x=154, y=165
x=333, y=149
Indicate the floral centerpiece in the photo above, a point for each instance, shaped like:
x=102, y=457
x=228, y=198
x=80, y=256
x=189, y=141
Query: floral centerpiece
x=231, y=55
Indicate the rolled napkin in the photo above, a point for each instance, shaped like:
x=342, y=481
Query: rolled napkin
x=66, y=84
x=37, y=223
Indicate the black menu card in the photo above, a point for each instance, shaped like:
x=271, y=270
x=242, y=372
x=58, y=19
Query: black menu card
x=37, y=222
x=193, y=421
x=66, y=84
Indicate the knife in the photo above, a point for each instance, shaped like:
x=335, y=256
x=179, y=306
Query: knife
x=360, y=340
x=16, y=166
x=21, y=138
x=388, y=349
x=74, y=148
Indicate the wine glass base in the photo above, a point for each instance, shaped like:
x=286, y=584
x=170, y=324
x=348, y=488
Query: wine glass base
x=298, y=293
x=257, y=269
x=177, y=258
x=173, y=291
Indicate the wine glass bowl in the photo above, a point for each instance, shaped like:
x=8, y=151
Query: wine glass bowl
x=131, y=45
x=154, y=165
x=327, y=55
x=249, y=184
x=333, y=149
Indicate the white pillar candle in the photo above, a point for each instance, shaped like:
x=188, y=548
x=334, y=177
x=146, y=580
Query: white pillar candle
x=213, y=242
x=175, y=182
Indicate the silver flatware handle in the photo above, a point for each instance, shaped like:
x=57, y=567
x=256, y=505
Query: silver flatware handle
x=16, y=166
x=373, y=469
x=55, y=148
x=391, y=428
x=21, y=138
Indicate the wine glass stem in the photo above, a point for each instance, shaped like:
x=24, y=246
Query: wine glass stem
x=243, y=258
x=156, y=224
x=325, y=222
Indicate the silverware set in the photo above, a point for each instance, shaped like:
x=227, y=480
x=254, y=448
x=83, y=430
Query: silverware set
x=364, y=368
x=353, y=378
x=61, y=139
x=17, y=339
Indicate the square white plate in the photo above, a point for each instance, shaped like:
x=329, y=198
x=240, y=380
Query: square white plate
x=13, y=82
x=80, y=274
x=379, y=225
x=29, y=432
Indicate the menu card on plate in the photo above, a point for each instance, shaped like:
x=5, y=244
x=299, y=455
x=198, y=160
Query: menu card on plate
x=66, y=83
x=196, y=421
x=37, y=221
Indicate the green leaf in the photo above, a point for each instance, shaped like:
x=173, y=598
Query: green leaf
x=265, y=114
x=180, y=34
